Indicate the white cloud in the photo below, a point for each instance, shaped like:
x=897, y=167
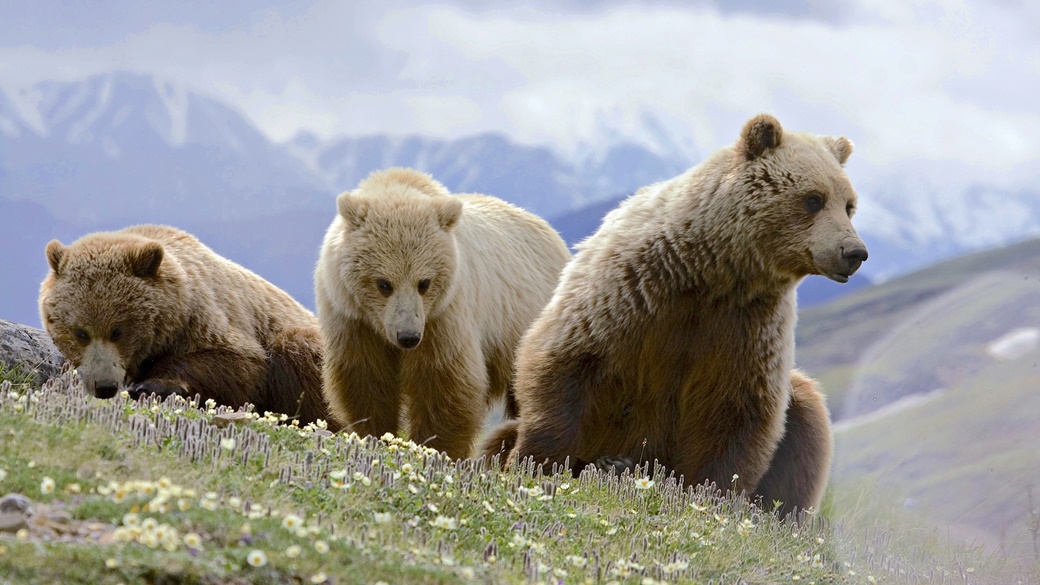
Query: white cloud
x=917, y=85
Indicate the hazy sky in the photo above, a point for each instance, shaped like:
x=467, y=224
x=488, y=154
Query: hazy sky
x=945, y=87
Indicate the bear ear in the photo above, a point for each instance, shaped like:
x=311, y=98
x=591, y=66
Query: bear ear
x=55, y=253
x=449, y=210
x=352, y=209
x=145, y=260
x=760, y=134
x=840, y=147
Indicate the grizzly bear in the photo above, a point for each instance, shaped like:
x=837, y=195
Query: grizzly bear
x=422, y=297
x=670, y=336
x=152, y=309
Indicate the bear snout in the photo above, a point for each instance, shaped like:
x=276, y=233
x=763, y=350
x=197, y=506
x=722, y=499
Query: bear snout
x=105, y=388
x=408, y=339
x=854, y=254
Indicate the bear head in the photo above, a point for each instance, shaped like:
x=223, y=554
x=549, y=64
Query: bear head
x=104, y=303
x=397, y=255
x=794, y=198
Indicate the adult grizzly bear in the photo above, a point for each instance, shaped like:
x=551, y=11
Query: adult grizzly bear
x=422, y=298
x=152, y=309
x=671, y=333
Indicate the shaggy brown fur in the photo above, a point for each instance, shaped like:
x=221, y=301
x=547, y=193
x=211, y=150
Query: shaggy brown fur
x=671, y=334
x=153, y=309
x=422, y=298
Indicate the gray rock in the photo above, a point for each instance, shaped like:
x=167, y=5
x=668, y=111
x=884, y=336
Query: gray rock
x=30, y=349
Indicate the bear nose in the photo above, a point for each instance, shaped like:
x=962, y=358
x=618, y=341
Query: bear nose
x=105, y=389
x=858, y=255
x=408, y=339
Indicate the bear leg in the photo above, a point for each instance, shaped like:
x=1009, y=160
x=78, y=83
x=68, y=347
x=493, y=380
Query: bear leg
x=501, y=440
x=360, y=379
x=293, y=383
x=227, y=377
x=447, y=395
x=797, y=475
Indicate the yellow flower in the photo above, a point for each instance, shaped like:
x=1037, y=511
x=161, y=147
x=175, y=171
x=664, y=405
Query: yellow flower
x=47, y=485
x=321, y=546
x=256, y=558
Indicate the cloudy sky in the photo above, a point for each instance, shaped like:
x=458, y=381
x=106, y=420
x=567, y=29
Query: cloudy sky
x=943, y=85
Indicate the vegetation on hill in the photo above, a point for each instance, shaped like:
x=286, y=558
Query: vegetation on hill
x=168, y=492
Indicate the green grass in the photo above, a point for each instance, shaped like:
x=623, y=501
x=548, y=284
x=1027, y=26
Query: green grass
x=155, y=493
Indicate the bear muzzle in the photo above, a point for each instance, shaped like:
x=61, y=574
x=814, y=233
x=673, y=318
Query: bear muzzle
x=408, y=339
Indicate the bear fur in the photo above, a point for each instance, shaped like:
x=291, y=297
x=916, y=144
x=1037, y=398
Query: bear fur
x=152, y=309
x=671, y=334
x=422, y=297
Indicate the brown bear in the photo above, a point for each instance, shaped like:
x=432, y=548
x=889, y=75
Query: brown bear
x=670, y=336
x=152, y=309
x=422, y=297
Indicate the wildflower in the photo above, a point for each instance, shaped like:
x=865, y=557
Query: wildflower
x=293, y=551
x=183, y=504
x=22, y=534
x=488, y=507
x=338, y=474
x=3, y=474
x=735, y=478
x=111, y=563
x=228, y=444
x=577, y=561
x=319, y=577
x=292, y=522
x=149, y=524
x=130, y=519
x=47, y=485
x=73, y=488
x=193, y=541
x=382, y=517
x=444, y=522
x=644, y=483
x=675, y=567
x=256, y=558
x=407, y=468
x=234, y=502
x=468, y=573
x=321, y=546
x=433, y=508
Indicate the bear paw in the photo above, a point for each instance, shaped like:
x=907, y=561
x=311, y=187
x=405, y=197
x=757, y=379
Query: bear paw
x=160, y=388
x=618, y=465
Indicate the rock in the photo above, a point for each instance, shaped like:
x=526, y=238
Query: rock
x=227, y=418
x=15, y=510
x=29, y=349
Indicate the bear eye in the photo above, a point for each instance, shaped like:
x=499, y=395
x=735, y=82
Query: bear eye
x=814, y=202
x=850, y=209
x=117, y=334
x=81, y=335
x=424, y=285
x=384, y=287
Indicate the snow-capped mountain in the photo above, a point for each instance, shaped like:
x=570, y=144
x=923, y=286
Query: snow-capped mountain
x=124, y=147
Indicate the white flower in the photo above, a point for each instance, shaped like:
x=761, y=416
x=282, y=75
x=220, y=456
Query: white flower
x=229, y=444
x=292, y=522
x=3, y=474
x=47, y=486
x=319, y=577
x=256, y=558
x=382, y=517
x=193, y=541
x=293, y=551
x=321, y=546
x=644, y=483
x=444, y=522
x=577, y=561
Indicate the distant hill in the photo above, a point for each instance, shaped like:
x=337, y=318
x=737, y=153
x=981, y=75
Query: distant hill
x=934, y=382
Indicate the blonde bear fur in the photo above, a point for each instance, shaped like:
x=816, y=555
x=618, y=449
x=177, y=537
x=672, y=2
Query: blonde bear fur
x=422, y=298
x=671, y=334
x=152, y=309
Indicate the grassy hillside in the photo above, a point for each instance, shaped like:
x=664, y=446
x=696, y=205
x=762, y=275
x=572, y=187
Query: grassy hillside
x=161, y=493
x=932, y=417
